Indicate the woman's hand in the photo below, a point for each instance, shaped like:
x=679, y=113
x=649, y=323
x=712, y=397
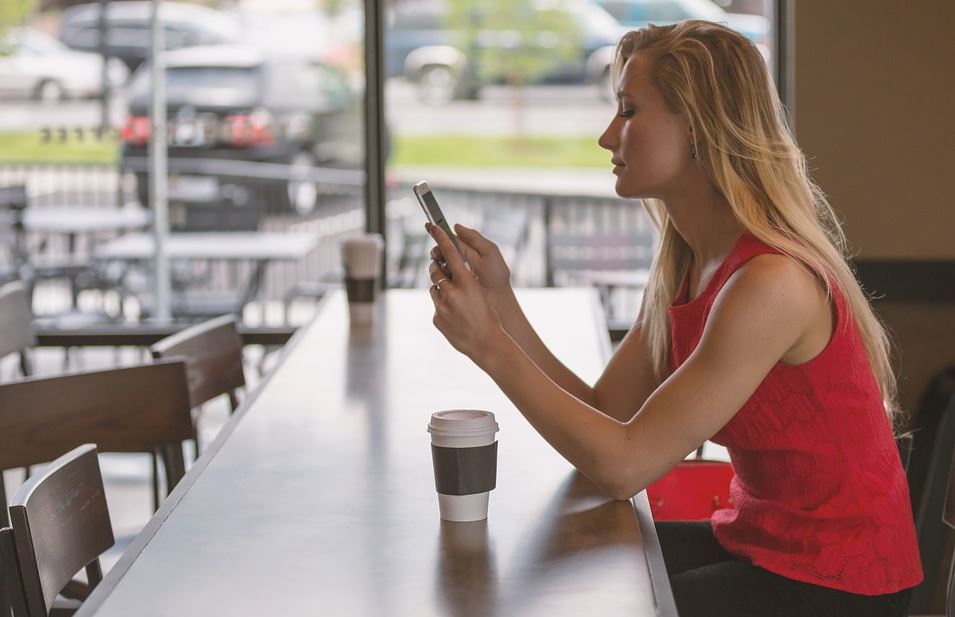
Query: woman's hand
x=484, y=258
x=462, y=312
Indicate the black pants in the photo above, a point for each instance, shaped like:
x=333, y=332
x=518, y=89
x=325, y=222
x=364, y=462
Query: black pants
x=708, y=581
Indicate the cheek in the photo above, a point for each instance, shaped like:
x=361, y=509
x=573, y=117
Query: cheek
x=654, y=156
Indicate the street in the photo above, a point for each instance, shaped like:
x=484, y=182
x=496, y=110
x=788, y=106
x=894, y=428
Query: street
x=548, y=110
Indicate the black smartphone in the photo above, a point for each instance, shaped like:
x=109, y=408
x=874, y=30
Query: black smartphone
x=433, y=211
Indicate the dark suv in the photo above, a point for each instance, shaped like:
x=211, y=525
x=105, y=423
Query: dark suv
x=230, y=105
x=421, y=45
x=184, y=25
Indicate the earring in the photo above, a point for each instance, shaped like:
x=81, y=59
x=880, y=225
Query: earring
x=692, y=150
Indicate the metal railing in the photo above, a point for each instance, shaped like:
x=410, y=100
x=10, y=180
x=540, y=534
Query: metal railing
x=520, y=221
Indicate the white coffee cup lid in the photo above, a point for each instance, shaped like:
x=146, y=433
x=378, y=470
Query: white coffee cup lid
x=462, y=422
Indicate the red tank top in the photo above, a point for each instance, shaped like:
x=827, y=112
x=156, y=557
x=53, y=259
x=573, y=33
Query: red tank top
x=819, y=494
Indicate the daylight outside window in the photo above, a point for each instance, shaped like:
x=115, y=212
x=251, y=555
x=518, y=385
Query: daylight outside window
x=263, y=115
x=498, y=105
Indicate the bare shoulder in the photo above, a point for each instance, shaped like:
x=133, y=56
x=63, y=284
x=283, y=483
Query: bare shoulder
x=776, y=282
x=769, y=304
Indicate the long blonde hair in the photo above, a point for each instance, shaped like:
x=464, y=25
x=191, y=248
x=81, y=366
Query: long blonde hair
x=719, y=81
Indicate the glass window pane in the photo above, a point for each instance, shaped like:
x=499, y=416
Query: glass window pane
x=263, y=141
x=498, y=104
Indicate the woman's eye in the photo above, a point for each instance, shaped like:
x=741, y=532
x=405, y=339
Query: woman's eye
x=625, y=113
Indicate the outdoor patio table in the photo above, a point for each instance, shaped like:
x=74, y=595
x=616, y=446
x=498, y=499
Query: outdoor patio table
x=258, y=248
x=318, y=496
x=236, y=246
x=77, y=220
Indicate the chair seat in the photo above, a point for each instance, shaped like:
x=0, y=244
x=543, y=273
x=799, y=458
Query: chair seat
x=691, y=491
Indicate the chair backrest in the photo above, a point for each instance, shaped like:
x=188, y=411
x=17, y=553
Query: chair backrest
x=904, y=443
x=948, y=517
x=14, y=197
x=16, y=321
x=212, y=351
x=60, y=525
x=574, y=251
x=134, y=409
x=11, y=585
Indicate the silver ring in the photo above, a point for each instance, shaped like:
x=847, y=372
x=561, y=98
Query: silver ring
x=437, y=283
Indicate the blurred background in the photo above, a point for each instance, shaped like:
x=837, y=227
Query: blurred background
x=498, y=104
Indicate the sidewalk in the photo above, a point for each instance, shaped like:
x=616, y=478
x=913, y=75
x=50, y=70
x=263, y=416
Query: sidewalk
x=587, y=181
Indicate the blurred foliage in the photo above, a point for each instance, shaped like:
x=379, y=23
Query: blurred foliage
x=515, y=41
x=14, y=13
x=332, y=7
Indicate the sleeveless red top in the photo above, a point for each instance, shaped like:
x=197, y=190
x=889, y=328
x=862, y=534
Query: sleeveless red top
x=819, y=494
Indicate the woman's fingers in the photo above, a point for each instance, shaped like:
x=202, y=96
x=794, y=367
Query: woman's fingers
x=438, y=264
x=473, y=239
x=454, y=260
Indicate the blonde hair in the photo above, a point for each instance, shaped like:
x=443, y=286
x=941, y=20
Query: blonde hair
x=718, y=80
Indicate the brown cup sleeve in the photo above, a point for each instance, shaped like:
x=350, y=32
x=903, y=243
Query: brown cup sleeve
x=360, y=290
x=464, y=471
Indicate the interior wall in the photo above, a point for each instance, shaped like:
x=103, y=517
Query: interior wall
x=875, y=113
x=874, y=110
x=875, y=95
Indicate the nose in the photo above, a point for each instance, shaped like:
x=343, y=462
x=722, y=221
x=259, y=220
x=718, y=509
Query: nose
x=608, y=139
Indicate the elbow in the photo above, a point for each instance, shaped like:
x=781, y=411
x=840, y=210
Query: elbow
x=620, y=491
x=619, y=484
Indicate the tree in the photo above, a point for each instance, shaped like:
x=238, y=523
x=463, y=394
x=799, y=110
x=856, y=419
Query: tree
x=513, y=41
x=14, y=13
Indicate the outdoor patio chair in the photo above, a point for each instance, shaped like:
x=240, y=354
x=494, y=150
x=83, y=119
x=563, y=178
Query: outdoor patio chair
x=214, y=364
x=16, y=325
x=607, y=261
x=135, y=409
x=59, y=525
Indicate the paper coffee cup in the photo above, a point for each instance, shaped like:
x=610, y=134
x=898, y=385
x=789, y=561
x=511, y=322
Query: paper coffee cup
x=361, y=258
x=464, y=454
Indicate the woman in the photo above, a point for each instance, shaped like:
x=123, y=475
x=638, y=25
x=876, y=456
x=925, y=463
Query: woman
x=753, y=333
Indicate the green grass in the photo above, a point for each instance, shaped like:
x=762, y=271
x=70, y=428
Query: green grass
x=496, y=151
x=416, y=150
x=41, y=147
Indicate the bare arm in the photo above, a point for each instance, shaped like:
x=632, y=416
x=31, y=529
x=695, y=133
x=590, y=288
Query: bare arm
x=626, y=382
x=762, y=312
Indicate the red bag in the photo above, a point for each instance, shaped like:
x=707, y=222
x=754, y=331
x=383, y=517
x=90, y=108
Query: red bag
x=691, y=491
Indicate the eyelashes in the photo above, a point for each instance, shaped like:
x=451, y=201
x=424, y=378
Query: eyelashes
x=625, y=113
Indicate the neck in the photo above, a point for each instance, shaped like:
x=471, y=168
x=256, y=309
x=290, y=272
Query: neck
x=704, y=219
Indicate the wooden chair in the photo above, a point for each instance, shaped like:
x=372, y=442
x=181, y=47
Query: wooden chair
x=60, y=525
x=213, y=354
x=135, y=409
x=11, y=586
x=930, y=528
x=948, y=516
x=212, y=351
x=16, y=324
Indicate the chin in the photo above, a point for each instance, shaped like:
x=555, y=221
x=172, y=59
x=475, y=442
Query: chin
x=628, y=190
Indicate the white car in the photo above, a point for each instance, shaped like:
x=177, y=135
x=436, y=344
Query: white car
x=35, y=65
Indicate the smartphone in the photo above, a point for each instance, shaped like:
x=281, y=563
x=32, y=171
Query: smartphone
x=431, y=209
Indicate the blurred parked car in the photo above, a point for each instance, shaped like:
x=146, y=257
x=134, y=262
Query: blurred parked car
x=128, y=22
x=420, y=45
x=638, y=13
x=235, y=103
x=35, y=65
